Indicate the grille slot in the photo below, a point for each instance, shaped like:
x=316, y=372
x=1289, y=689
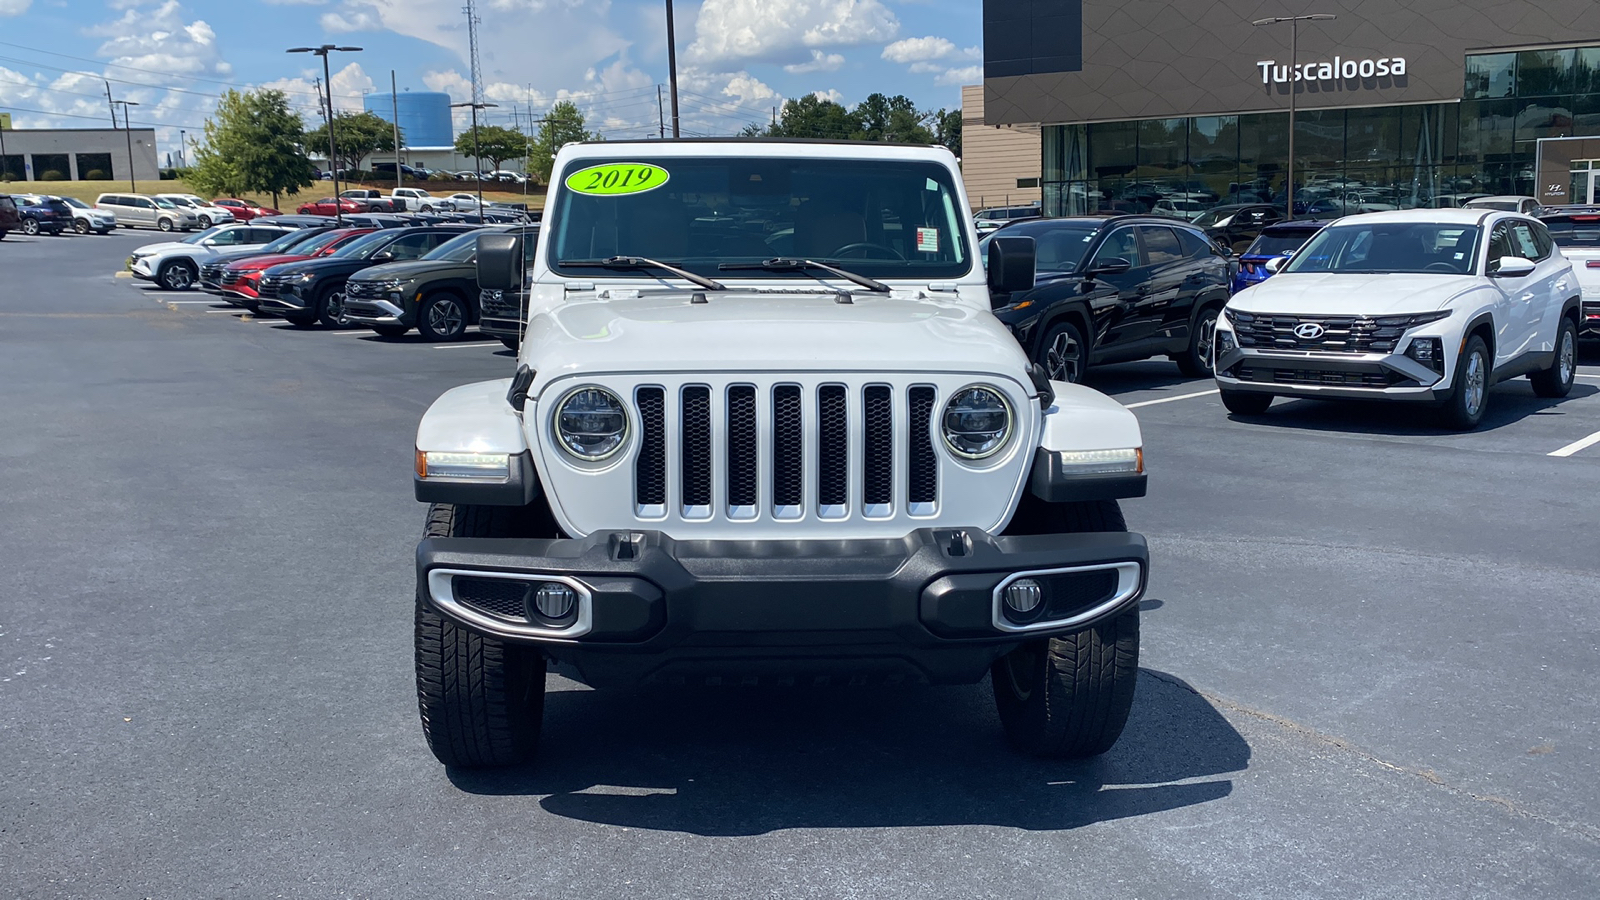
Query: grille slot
x=696, y=459
x=833, y=450
x=1381, y=378
x=742, y=451
x=497, y=597
x=877, y=477
x=923, y=490
x=650, y=471
x=788, y=452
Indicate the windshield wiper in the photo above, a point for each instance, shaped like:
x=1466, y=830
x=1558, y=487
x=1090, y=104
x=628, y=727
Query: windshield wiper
x=782, y=263
x=639, y=262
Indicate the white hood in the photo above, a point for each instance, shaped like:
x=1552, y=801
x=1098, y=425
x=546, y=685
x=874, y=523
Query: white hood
x=1333, y=294
x=163, y=247
x=741, y=330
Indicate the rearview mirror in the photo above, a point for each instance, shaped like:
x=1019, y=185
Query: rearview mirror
x=500, y=262
x=1112, y=266
x=1010, y=264
x=1511, y=267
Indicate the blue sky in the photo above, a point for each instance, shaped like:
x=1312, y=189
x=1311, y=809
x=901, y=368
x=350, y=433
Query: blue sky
x=737, y=58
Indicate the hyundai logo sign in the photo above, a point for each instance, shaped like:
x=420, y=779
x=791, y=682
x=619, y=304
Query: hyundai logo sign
x=1310, y=331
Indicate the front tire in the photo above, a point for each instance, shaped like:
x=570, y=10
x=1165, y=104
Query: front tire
x=164, y=224
x=1556, y=381
x=481, y=701
x=390, y=331
x=330, y=306
x=205, y=221
x=1196, y=362
x=30, y=227
x=510, y=343
x=442, y=317
x=1064, y=352
x=1068, y=697
x=1465, y=408
x=178, y=275
x=80, y=226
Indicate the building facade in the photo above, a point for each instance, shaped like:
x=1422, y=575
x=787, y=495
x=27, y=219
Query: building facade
x=1425, y=103
x=77, y=154
x=1000, y=165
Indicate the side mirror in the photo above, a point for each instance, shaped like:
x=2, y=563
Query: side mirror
x=1512, y=267
x=385, y=256
x=1010, y=264
x=1276, y=263
x=209, y=242
x=500, y=262
x=1113, y=266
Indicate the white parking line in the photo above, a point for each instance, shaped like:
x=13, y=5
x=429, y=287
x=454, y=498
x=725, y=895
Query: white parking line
x=1587, y=375
x=494, y=344
x=1172, y=399
x=187, y=302
x=356, y=331
x=222, y=312
x=1575, y=446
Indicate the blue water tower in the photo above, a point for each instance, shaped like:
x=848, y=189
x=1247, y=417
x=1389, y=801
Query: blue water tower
x=424, y=117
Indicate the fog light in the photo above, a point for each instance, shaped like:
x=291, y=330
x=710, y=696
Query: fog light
x=1224, y=342
x=1024, y=595
x=1429, y=351
x=554, y=600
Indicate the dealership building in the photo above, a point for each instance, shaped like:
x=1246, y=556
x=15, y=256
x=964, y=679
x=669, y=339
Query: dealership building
x=1422, y=103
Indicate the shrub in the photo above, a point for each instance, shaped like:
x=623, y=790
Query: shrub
x=52, y=175
x=96, y=175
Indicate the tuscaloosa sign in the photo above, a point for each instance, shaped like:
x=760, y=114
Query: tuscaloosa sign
x=1338, y=70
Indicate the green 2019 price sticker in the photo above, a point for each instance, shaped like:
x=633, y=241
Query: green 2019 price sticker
x=617, y=178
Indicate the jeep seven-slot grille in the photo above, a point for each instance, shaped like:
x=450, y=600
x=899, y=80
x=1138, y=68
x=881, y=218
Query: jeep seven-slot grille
x=750, y=461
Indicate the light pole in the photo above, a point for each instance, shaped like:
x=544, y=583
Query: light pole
x=1294, y=52
x=327, y=79
x=127, y=129
x=672, y=68
x=475, y=148
x=183, y=159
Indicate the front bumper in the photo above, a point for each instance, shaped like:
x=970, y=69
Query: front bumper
x=509, y=328
x=1332, y=375
x=289, y=299
x=374, y=312
x=925, y=607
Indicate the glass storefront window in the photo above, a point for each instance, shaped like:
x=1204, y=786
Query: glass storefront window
x=1486, y=129
x=1541, y=73
x=1112, y=149
x=1586, y=70
x=1163, y=147
x=1541, y=117
x=1372, y=136
x=1490, y=76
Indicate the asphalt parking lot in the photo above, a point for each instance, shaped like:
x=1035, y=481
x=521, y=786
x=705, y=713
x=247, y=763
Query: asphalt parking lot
x=1370, y=663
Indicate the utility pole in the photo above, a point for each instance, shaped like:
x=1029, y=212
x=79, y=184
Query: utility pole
x=112, y=104
x=1294, y=73
x=394, y=99
x=327, y=77
x=661, y=117
x=183, y=159
x=127, y=129
x=477, y=160
x=672, y=68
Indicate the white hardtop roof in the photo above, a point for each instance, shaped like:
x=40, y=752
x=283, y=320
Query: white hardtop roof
x=755, y=149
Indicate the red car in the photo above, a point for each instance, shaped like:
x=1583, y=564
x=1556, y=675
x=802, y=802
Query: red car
x=245, y=210
x=241, y=281
x=326, y=207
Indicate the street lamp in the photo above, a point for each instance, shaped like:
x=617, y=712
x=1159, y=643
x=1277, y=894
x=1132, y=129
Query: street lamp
x=327, y=79
x=127, y=129
x=182, y=142
x=672, y=68
x=475, y=148
x=1294, y=52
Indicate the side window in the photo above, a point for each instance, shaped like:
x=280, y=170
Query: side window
x=1527, y=247
x=1160, y=245
x=411, y=246
x=530, y=242
x=1541, y=236
x=226, y=238
x=1499, y=245
x=1122, y=243
x=1194, y=245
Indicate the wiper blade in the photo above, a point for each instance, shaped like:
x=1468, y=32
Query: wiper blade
x=781, y=263
x=639, y=262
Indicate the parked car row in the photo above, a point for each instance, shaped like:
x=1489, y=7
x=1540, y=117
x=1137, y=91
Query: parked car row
x=34, y=214
x=390, y=276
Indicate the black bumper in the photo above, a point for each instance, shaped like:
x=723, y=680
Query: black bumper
x=1589, y=319
x=507, y=328
x=919, y=608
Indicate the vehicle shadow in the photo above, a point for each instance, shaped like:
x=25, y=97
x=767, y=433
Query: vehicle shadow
x=1509, y=403
x=745, y=762
x=1146, y=375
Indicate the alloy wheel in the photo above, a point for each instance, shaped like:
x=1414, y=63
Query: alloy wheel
x=1207, y=336
x=178, y=277
x=80, y=226
x=445, y=317
x=1062, y=358
x=1474, y=384
x=1568, y=358
x=30, y=226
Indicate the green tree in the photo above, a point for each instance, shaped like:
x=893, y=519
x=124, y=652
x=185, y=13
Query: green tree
x=562, y=125
x=880, y=118
x=253, y=143
x=356, y=136
x=947, y=129
x=496, y=143
x=813, y=117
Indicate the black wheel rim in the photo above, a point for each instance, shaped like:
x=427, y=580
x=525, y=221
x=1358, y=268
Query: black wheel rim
x=1207, y=334
x=1063, y=355
x=178, y=278
x=445, y=317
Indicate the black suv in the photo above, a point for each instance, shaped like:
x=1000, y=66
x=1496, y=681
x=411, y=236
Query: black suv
x=1116, y=289
x=1237, y=225
x=436, y=294
x=312, y=290
x=43, y=214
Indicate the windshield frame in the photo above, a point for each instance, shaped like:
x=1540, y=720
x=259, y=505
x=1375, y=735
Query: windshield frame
x=724, y=205
x=1337, y=232
x=366, y=245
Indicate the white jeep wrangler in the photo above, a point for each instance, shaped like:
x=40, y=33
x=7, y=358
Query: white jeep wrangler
x=765, y=430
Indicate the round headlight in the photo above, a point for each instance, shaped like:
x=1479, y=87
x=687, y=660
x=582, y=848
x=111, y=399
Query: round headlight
x=977, y=422
x=591, y=423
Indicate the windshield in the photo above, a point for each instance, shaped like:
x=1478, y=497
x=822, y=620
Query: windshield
x=1276, y=244
x=364, y=246
x=165, y=204
x=74, y=201
x=179, y=201
x=1218, y=218
x=200, y=236
x=460, y=248
x=1509, y=205
x=1582, y=232
x=888, y=218
x=1390, y=247
x=1057, y=247
x=320, y=242
x=291, y=239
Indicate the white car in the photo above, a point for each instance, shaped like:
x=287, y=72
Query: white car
x=206, y=212
x=419, y=200
x=175, y=265
x=733, y=465
x=465, y=202
x=1430, y=305
x=1577, y=232
x=1528, y=206
x=86, y=218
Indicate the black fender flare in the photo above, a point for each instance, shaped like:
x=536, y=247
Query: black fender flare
x=1063, y=310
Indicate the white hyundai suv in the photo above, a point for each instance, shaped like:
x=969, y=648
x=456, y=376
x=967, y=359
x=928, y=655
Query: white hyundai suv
x=1433, y=306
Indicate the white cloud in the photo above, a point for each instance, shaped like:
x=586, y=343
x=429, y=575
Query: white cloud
x=780, y=30
x=820, y=62
x=353, y=20
x=919, y=49
x=14, y=7
x=295, y=2
x=829, y=94
x=964, y=75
